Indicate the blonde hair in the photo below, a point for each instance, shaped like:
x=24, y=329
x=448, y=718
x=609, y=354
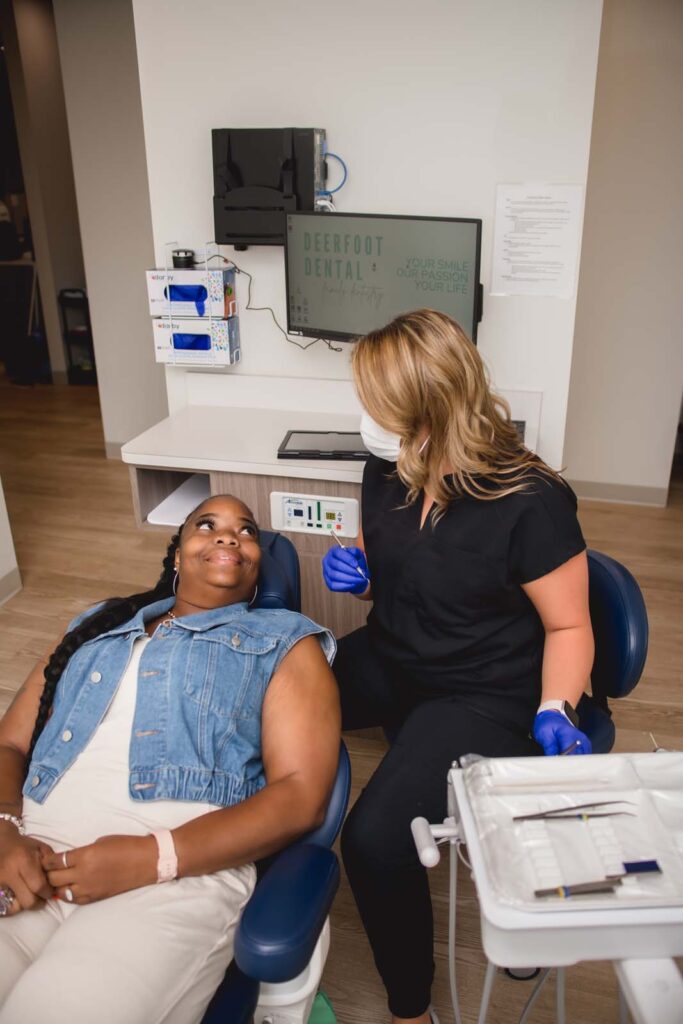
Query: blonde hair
x=422, y=371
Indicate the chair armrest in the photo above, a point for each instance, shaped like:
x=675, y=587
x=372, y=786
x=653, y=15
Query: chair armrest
x=281, y=923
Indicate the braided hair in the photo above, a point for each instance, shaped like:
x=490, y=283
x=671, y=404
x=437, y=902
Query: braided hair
x=113, y=613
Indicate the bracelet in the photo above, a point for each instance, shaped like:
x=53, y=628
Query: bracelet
x=17, y=822
x=167, y=864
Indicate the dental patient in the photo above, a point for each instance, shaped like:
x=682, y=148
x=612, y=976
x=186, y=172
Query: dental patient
x=172, y=738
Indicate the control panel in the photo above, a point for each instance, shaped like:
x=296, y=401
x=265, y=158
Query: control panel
x=314, y=513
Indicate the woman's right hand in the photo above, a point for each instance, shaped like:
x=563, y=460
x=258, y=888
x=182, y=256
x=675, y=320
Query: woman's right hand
x=340, y=570
x=21, y=869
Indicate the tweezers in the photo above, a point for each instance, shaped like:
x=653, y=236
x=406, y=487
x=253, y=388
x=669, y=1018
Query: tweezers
x=567, y=812
x=585, y=815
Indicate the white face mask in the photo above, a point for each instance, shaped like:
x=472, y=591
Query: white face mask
x=379, y=441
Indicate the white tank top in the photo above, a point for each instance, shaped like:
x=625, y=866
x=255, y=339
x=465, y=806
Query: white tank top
x=92, y=799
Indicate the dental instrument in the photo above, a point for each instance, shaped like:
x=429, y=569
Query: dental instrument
x=356, y=567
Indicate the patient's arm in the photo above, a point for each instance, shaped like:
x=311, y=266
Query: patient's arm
x=300, y=735
x=300, y=745
x=20, y=857
x=16, y=729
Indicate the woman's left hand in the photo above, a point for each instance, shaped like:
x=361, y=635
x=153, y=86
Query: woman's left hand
x=555, y=733
x=107, y=867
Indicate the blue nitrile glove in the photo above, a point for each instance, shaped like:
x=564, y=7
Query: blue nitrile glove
x=340, y=570
x=555, y=733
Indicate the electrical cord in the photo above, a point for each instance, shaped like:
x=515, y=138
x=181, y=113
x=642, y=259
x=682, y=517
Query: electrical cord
x=453, y=881
x=331, y=191
x=264, y=309
x=535, y=993
x=458, y=846
x=462, y=857
x=455, y=854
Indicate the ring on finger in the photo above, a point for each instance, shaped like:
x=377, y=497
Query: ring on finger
x=68, y=896
x=64, y=861
x=7, y=898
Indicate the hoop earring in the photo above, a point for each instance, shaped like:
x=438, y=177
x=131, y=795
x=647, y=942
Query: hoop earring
x=254, y=597
x=174, y=585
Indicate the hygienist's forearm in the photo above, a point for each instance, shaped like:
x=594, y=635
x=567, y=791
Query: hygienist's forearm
x=256, y=828
x=567, y=662
x=12, y=775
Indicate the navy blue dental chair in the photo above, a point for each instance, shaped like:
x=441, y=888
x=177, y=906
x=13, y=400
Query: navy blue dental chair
x=621, y=632
x=283, y=932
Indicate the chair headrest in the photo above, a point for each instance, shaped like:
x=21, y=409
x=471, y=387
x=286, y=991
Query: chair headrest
x=620, y=626
x=279, y=584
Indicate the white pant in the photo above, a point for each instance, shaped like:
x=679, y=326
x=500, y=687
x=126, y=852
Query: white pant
x=151, y=956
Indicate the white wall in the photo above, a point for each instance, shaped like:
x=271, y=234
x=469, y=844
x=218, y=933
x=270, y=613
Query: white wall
x=99, y=67
x=10, y=580
x=38, y=102
x=627, y=372
x=431, y=105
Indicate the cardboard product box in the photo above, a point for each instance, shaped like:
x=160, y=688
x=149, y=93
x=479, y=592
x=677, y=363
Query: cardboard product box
x=197, y=342
x=194, y=293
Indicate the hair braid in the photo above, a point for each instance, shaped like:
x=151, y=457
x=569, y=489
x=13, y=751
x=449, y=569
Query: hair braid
x=114, y=612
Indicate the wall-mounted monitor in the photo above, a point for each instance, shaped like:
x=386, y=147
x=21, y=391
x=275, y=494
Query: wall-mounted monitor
x=349, y=273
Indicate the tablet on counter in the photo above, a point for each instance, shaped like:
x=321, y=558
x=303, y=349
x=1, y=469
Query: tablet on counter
x=322, y=444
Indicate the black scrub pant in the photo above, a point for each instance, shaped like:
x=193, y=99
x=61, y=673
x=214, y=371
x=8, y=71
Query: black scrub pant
x=389, y=884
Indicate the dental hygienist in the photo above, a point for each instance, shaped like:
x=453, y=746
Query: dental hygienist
x=479, y=635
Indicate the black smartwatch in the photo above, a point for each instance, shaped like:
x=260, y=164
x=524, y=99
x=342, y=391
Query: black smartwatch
x=564, y=707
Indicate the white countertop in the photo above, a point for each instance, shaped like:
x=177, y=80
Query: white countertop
x=239, y=440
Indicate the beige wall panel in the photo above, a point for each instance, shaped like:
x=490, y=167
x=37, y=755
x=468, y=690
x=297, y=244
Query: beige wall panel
x=627, y=368
x=35, y=78
x=102, y=90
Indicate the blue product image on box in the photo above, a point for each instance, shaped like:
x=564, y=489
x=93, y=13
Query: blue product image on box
x=192, y=342
x=196, y=293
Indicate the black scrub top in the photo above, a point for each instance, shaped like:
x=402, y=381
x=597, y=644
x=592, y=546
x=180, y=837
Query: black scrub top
x=449, y=614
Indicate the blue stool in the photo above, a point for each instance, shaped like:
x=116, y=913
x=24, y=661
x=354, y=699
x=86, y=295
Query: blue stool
x=621, y=633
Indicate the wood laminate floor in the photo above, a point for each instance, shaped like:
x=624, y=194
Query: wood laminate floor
x=76, y=541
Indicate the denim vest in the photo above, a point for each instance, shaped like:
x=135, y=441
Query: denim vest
x=202, y=681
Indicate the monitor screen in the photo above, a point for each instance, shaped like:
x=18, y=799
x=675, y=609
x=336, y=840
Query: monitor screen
x=350, y=273
x=317, y=440
x=322, y=444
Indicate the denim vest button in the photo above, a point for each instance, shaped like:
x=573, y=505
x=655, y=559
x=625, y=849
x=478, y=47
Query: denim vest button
x=35, y=780
x=95, y=677
x=67, y=735
x=236, y=640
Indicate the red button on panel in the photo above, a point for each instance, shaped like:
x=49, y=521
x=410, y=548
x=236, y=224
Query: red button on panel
x=338, y=526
